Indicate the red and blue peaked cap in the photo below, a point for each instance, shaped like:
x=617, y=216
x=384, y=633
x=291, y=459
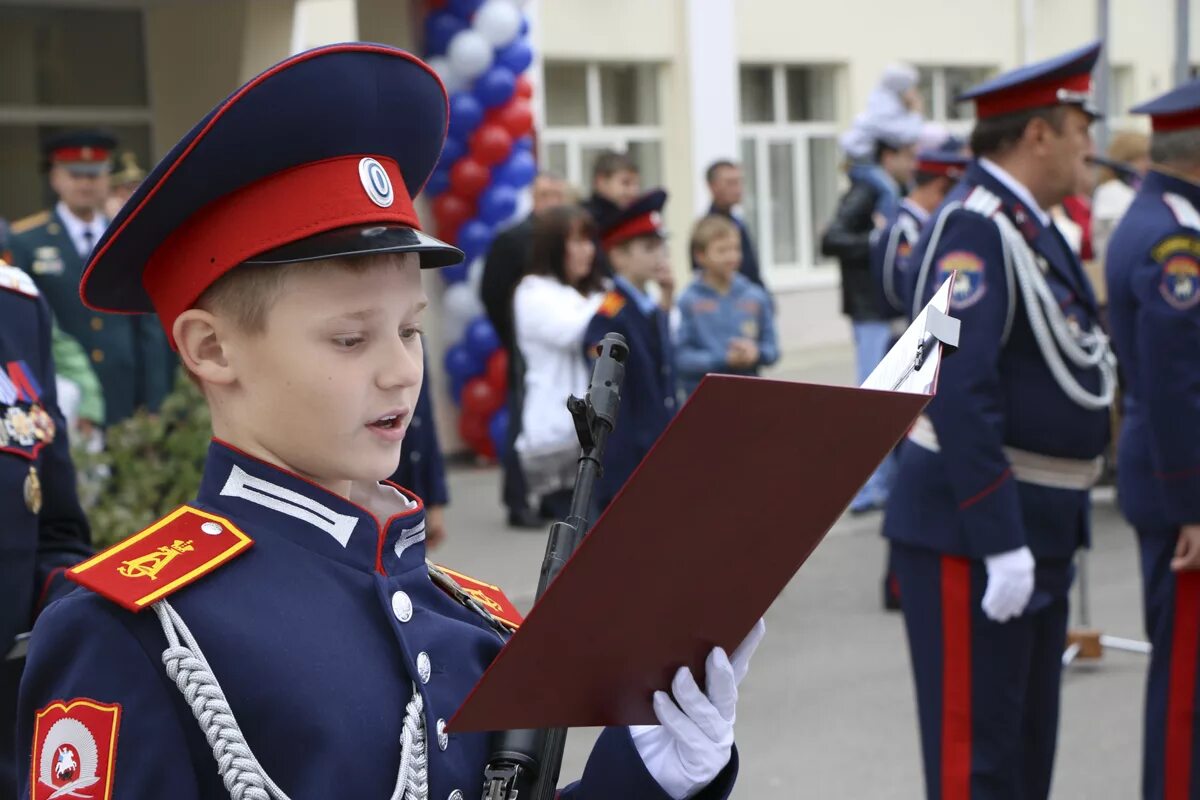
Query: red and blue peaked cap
x=320, y=156
x=1063, y=80
x=1176, y=110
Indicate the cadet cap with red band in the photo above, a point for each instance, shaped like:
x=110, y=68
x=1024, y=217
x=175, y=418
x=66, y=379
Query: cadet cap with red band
x=1063, y=80
x=1177, y=110
x=642, y=217
x=318, y=157
x=81, y=152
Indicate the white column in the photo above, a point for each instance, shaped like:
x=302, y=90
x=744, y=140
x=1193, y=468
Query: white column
x=713, y=88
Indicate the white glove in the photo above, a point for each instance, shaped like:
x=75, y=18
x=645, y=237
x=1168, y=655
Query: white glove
x=694, y=741
x=1009, y=584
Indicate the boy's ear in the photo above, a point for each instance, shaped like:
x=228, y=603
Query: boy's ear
x=202, y=347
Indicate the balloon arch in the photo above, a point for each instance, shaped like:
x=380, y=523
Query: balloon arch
x=481, y=50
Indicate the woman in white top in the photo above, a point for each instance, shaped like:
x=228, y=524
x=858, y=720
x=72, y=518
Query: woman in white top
x=552, y=306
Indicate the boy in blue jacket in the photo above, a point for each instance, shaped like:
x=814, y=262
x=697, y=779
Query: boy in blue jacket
x=726, y=323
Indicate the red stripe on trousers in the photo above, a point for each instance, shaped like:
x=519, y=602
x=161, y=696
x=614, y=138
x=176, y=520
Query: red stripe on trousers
x=956, y=678
x=1181, y=692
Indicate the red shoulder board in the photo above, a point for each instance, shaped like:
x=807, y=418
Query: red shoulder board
x=613, y=302
x=74, y=748
x=491, y=598
x=183, y=546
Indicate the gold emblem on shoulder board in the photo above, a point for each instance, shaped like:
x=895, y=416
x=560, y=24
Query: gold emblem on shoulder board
x=33, y=491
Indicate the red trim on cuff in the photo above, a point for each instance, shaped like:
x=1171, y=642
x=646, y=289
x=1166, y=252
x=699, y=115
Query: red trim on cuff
x=1190, y=472
x=1004, y=476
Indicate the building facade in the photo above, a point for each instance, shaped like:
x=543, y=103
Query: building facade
x=677, y=83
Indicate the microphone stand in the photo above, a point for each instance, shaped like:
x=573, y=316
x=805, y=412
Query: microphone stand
x=525, y=763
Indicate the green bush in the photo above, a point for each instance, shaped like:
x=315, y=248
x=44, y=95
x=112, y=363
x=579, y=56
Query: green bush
x=151, y=465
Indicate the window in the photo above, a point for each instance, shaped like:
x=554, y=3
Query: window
x=790, y=160
x=49, y=82
x=593, y=107
x=1120, y=90
x=939, y=86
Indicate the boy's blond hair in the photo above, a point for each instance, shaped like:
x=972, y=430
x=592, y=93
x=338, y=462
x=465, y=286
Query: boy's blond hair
x=245, y=293
x=711, y=228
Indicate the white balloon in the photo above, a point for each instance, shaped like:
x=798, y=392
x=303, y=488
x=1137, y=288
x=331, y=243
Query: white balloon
x=499, y=21
x=470, y=54
x=441, y=65
x=460, y=305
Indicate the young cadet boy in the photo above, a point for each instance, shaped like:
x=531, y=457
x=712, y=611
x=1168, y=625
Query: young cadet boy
x=282, y=635
x=726, y=324
x=635, y=244
x=44, y=529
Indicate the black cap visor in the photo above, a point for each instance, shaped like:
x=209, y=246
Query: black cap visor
x=362, y=240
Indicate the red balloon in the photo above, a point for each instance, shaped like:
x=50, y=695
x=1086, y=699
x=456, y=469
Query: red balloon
x=490, y=145
x=497, y=371
x=451, y=211
x=474, y=432
x=480, y=399
x=524, y=87
x=516, y=117
x=469, y=177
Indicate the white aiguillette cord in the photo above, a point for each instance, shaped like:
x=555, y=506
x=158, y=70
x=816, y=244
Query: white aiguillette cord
x=240, y=770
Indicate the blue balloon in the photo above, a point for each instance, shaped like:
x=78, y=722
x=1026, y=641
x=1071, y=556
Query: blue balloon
x=438, y=182
x=498, y=431
x=456, y=273
x=517, y=56
x=496, y=86
x=474, y=237
x=452, y=151
x=524, y=144
x=440, y=28
x=498, y=204
x=518, y=171
x=481, y=339
x=524, y=25
x=461, y=363
x=464, y=8
x=466, y=114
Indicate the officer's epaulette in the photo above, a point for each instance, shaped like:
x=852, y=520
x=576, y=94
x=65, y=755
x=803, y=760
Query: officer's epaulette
x=29, y=223
x=487, y=600
x=16, y=280
x=611, y=305
x=180, y=548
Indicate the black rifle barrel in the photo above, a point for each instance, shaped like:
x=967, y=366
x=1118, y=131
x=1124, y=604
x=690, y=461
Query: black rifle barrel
x=525, y=764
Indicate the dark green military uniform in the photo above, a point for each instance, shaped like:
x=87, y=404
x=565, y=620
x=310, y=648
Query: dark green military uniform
x=129, y=353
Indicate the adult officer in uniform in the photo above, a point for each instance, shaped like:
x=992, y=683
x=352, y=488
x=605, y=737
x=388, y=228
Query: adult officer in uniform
x=44, y=530
x=1153, y=277
x=635, y=244
x=991, y=499
x=128, y=353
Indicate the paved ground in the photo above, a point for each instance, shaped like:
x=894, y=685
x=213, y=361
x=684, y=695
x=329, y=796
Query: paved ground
x=827, y=710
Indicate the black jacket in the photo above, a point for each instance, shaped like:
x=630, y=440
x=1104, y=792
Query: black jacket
x=506, y=262
x=848, y=238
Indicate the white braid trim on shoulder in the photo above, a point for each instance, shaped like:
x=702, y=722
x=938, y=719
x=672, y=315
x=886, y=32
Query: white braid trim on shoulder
x=1185, y=213
x=240, y=771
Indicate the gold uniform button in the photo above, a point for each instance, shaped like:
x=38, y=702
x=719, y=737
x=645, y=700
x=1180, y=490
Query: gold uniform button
x=97, y=355
x=97, y=324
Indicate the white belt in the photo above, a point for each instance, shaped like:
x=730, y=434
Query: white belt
x=1027, y=467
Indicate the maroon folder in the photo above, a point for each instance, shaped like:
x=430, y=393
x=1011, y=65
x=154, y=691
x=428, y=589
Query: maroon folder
x=732, y=500
x=728, y=505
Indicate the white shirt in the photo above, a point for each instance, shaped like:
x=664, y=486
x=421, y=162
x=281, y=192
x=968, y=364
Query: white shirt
x=76, y=229
x=1016, y=187
x=550, y=319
